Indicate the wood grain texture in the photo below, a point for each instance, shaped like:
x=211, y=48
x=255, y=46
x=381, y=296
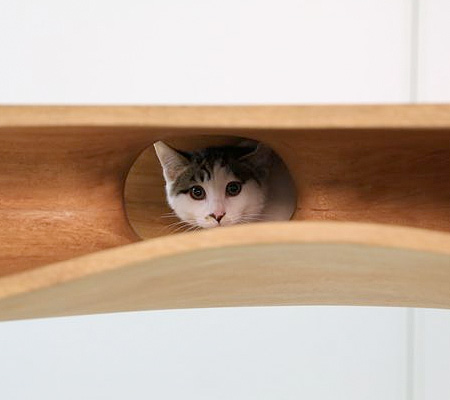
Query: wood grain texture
x=68, y=181
x=390, y=176
x=235, y=117
x=61, y=195
x=285, y=263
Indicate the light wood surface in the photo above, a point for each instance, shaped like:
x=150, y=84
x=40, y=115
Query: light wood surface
x=287, y=263
x=395, y=177
x=77, y=180
x=235, y=117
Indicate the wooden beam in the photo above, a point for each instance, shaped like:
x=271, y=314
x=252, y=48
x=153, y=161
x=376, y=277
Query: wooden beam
x=286, y=263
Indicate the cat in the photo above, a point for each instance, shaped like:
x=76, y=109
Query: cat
x=217, y=186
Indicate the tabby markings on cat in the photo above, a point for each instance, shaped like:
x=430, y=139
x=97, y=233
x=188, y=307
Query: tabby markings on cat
x=216, y=186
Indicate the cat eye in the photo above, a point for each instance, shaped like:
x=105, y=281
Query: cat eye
x=197, y=192
x=233, y=188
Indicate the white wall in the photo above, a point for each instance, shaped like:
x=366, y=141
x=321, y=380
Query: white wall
x=229, y=51
x=431, y=370
x=434, y=51
x=204, y=51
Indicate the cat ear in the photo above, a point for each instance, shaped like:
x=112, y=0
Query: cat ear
x=260, y=157
x=172, y=161
x=248, y=143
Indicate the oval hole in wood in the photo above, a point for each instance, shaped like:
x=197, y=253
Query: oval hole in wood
x=145, y=201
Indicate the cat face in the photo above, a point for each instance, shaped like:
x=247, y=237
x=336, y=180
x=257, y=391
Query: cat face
x=217, y=186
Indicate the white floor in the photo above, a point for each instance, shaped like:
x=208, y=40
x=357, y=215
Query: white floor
x=247, y=353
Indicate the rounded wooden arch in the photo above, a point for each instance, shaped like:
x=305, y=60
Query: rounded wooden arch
x=290, y=263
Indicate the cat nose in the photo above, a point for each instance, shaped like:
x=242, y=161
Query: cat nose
x=217, y=217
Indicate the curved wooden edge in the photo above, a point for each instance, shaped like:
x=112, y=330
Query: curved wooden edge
x=231, y=117
x=254, y=264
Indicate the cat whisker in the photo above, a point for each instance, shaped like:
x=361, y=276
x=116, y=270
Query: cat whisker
x=184, y=226
x=172, y=229
x=177, y=225
x=193, y=229
x=169, y=226
x=181, y=228
x=166, y=230
x=169, y=215
x=249, y=219
x=257, y=216
x=173, y=224
x=251, y=216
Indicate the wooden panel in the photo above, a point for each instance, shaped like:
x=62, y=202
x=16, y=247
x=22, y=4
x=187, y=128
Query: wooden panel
x=283, y=263
x=389, y=176
x=61, y=195
x=63, y=169
x=235, y=117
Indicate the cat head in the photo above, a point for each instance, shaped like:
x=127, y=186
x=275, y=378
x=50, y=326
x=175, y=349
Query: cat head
x=216, y=186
